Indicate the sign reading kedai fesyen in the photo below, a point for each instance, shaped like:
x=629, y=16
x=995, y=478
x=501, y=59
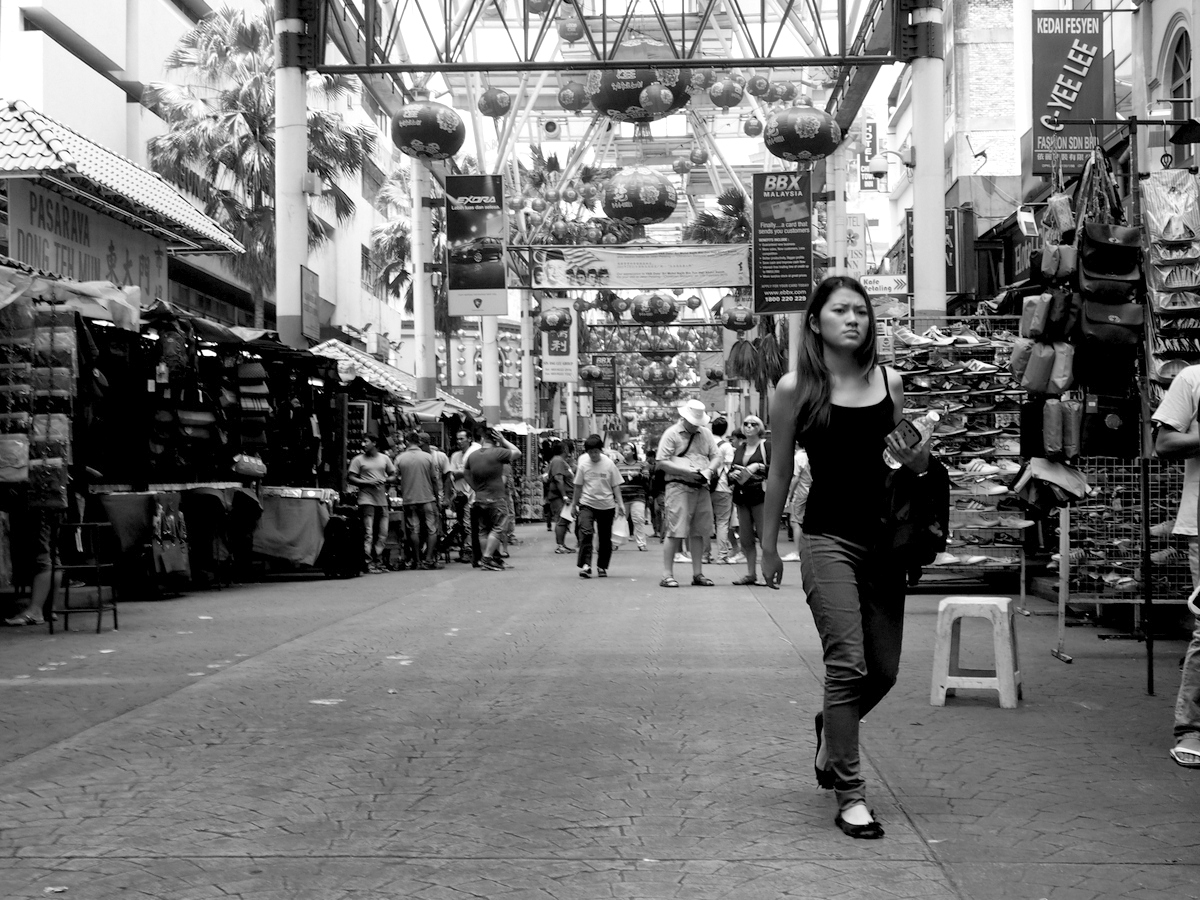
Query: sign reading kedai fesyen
x=1068, y=49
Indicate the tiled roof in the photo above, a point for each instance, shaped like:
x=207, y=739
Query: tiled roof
x=354, y=362
x=34, y=145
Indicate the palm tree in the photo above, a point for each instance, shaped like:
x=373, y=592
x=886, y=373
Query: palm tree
x=730, y=227
x=221, y=122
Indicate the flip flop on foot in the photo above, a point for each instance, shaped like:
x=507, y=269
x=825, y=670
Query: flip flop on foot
x=668, y=582
x=702, y=581
x=1187, y=753
x=746, y=579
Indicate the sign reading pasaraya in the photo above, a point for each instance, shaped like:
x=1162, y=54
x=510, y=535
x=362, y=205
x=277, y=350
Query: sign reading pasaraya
x=782, y=235
x=57, y=235
x=624, y=267
x=476, y=233
x=1068, y=83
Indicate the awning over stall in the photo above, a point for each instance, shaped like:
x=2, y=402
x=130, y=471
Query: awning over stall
x=354, y=363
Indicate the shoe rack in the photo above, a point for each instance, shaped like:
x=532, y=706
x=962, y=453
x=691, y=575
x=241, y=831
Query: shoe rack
x=961, y=370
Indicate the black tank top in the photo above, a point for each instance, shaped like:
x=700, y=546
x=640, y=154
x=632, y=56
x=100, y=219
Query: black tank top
x=848, y=471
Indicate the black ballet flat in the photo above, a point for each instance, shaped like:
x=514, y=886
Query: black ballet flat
x=824, y=776
x=869, y=832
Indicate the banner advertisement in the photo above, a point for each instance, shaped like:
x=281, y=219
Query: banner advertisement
x=954, y=249
x=856, y=244
x=712, y=393
x=870, y=142
x=631, y=268
x=560, y=361
x=1068, y=83
x=782, y=239
x=472, y=395
x=476, y=233
x=604, y=391
x=310, y=303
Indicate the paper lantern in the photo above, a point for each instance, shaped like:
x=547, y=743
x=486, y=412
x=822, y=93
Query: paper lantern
x=556, y=319
x=537, y=7
x=694, y=302
x=787, y=92
x=654, y=309
x=681, y=166
x=773, y=95
x=572, y=97
x=698, y=156
x=639, y=196
x=726, y=93
x=495, y=103
x=581, y=305
x=570, y=28
x=569, y=194
x=617, y=93
x=428, y=130
x=656, y=99
x=757, y=85
x=738, y=319
x=802, y=134
x=753, y=127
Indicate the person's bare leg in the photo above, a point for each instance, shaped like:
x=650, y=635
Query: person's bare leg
x=696, y=544
x=670, y=548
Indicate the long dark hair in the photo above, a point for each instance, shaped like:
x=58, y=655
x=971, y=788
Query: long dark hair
x=813, y=388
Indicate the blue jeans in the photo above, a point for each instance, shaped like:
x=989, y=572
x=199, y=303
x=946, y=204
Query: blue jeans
x=1187, y=702
x=858, y=607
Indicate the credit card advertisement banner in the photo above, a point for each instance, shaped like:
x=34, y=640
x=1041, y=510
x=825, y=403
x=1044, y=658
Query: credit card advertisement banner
x=476, y=237
x=782, y=236
x=1068, y=83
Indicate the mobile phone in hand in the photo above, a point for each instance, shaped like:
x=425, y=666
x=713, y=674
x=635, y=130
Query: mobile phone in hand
x=907, y=432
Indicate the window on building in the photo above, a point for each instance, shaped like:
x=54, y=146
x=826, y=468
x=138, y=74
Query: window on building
x=372, y=183
x=370, y=273
x=1180, y=73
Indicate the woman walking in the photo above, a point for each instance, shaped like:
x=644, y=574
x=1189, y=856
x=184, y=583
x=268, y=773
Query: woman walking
x=594, y=505
x=751, y=464
x=841, y=406
x=635, y=483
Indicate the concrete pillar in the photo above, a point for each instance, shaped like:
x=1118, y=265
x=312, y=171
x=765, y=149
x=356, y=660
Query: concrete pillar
x=795, y=323
x=422, y=252
x=837, y=220
x=291, y=164
x=928, y=278
x=528, y=385
x=489, y=333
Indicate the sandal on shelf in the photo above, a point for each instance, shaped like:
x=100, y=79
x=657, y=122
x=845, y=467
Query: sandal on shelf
x=745, y=580
x=668, y=582
x=702, y=581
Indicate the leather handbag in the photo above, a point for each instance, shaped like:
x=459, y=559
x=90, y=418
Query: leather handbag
x=1118, y=324
x=1110, y=269
x=1111, y=426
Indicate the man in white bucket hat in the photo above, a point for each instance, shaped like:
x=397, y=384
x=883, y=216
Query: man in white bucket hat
x=687, y=455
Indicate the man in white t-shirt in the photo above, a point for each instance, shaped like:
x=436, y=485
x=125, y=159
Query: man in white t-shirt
x=1177, y=436
x=596, y=502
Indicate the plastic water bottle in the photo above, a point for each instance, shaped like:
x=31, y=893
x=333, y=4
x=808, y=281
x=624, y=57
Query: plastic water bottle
x=925, y=424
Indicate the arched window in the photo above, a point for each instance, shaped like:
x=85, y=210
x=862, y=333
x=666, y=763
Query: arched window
x=1181, y=77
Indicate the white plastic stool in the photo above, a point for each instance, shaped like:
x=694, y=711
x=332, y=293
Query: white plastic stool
x=948, y=674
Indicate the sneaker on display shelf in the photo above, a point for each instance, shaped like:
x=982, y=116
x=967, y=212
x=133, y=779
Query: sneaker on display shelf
x=945, y=559
x=908, y=338
x=937, y=337
x=1163, y=529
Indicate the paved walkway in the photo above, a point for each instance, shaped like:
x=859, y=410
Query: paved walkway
x=528, y=734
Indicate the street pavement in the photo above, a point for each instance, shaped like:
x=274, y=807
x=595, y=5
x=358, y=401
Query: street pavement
x=530, y=734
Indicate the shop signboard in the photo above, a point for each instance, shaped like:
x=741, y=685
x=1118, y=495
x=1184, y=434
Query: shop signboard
x=782, y=239
x=856, y=244
x=884, y=285
x=57, y=235
x=712, y=393
x=870, y=149
x=622, y=267
x=1068, y=83
x=604, y=391
x=560, y=361
x=476, y=236
x=955, y=231
x=310, y=303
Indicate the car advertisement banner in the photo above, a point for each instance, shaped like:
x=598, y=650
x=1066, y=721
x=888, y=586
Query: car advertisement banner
x=782, y=236
x=620, y=267
x=476, y=233
x=1068, y=83
x=560, y=361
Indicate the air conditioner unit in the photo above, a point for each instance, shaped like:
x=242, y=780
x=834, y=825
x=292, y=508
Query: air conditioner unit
x=551, y=130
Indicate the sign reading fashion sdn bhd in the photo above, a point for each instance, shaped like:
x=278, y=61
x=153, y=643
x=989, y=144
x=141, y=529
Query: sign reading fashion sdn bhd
x=782, y=240
x=624, y=267
x=476, y=233
x=1068, y=83
x=57, y=235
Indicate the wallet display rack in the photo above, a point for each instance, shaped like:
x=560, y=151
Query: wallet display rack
x=961, y=370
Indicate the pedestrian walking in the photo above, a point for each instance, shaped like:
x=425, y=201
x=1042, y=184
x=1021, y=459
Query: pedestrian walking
x=841, y=405
x=722, y=493
x=558, y=488
x=797, y=501
x=751, y=465
x=421, y=494
x=371, y=472
x=687, y=456
x=485, y=471
x=1177, y=436
x=465, y=534
x=595, y=503
x=635, y=484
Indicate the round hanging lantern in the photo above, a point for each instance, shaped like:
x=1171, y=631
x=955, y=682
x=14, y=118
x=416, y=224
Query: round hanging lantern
x=588, y=191
x=428, y=130
x=681, y=166
x=657, y=373
x=802, y=134
x=702, y=80
x=537, y=7
x=694, y=302
x=572, y=97
x=590, y=373
x=581, y=305
x=621, y=305
x=656, y=99
x=639, y=196
x=757, y=85
x=787, y=92
x=753, y=127
x=698, y=156
x=726, y=93
x=617, y=93
x=551, y=195
x=716, y=374
x=609, y=238
x=593, y=235
x=569, y=194
x=657, y=309
x=556, y=318
x=495, y=103
x=774, y=94
x=538, y=204
x=570, y=28
x=738, y=319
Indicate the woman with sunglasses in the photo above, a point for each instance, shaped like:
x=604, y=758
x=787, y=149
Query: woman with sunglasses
x=751, y=463
x=841, y=405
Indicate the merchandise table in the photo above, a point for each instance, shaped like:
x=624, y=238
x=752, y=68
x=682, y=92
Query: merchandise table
x=292, y=526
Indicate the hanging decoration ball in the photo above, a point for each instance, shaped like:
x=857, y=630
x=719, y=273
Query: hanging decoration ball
x=570, y=28
x=802, y=134
x=698, y=156
x=682, y=166
x=757, y=85
x=538, y=204
x=495, y=103
x=726, y=93
x=639, y=196
x=774, y=94
x=551, y=195
x=787, y=92
x=428, y=130
x=588, y=191
x=621, y=305
x=609, y=238
x=618, y=93
x=515, y=203
x=592, y=235
x=657, y=373
x=753, y=127
x=572, y=97
x=538, y=7
x=569, y=194
x=656, y=99
x=590, y=373
x=738, y=79
x=678, y=292
x=702, y=80
x=739, y=319
x=556, y=318
x=582, y=305
x=656, y=309
x=694, y=302
x=559, y=228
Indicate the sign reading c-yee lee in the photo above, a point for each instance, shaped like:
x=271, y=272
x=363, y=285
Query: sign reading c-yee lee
x=1068, y=74
x=782, y=235
x=476, y=233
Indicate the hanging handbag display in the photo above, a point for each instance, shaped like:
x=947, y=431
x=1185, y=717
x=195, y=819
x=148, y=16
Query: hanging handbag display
x=1110, y=267
x=1113, y=324
x=1111, y=426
